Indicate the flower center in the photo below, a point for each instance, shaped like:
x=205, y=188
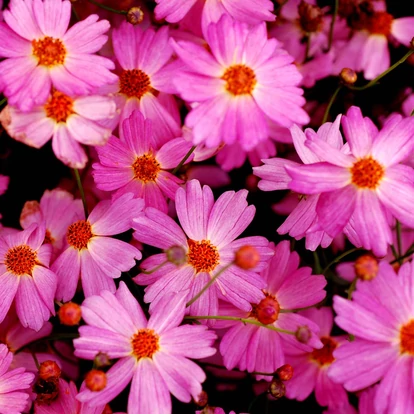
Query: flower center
x=59, y=107
x=146, y=168
x=145, y=343
x=240, y=79
x=20, y=260
x=48, y=238
x=134, y=83
x=324, y=355
x=49, y=51
x=267, y=310
x=367, y=173
x=79, y=234
x=407, y=338
x=366, y=267
x=203, y=256
x=379, y=23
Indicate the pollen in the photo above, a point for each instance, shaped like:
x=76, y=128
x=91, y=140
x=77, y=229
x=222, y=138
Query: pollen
x=20, y=260
x=59, y=107
x=407, y=338
x=79, y=234
x=203, y=256
x=324, y=356
x=367, y=173
x=134, y=83
x=145, y=343
x=240, y=79
x=49, y=51
x=146, y=168
x=267, y=310
x=380, y=23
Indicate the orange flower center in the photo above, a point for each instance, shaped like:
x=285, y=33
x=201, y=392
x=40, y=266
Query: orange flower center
x=203, y=256
x=79, y=234
x=267, y=310
x=240, y=79
x=20, y=260
x=59, y=107
x=379, y=23
x=145, y=343
x=48, y=238
x=134, y=83
x=324, y=355
x=146, y=168
x=407, y=338
x=366, y=267
x=367, y=173
x=49, y=51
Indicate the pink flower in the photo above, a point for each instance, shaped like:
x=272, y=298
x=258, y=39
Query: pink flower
x=4, y=183
x=255, y=348
x=367, y=185
x=92, y=255
x=134, y=163
x=207, y=244
x=42, y=53
x=245, y=81
x=380, y=316
x=153, y=354
x=13, y=399
x=25, y=277
x=69, y=121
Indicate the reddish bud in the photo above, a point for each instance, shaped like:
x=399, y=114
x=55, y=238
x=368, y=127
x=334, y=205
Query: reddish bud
x=303, y=334
x=285, y=372
x=202, y=399
x=348, y=76
x=176, y=255
x=101, y=360
x=70, y=314
x=247, y=257
x=366, y=267
x=135, y=15
x=277, y=388
x=48, y=370
x=95, y=380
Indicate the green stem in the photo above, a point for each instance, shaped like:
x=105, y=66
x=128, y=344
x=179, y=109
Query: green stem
x=318, y=268
x=149, y=272
x=352, y=288
x=395, y=253
x=110, y=9
x=341, y=256
x=177, y=168
x=36, y=361
x=331, y=29
x=3, y=101
x=399, y=243
x=386, y=72
x=412, y=113
x=331, y=101
x=82, y=193
x=408, y=253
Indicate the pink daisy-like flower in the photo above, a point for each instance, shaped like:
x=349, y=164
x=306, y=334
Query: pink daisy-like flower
x=246, y=80
x=365, y=186
x=207, y=244
x=42, y=53
x=134, y=164
x=255, y=348
x=153, y=353
x=69, y=121
x=380, y=316
x=25, y=277
x=92, y=255
x=4, y=183
x=13, y=399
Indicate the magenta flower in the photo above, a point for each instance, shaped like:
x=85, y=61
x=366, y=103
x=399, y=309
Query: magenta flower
x=362, y=187
x=13, y=399
x=92, y=255
x=153, y=354
x=254, y=348
x=245, y=81
x=69, y=121
x=135, y=164
x=207, y=244
x=42, y=53
x=4, y=183
x=380, y=316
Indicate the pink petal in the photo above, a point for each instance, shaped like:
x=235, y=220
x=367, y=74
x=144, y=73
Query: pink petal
x=67, y=268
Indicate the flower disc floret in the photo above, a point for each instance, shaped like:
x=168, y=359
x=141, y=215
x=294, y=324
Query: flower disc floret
x=324, y=356
x=20, y=260
x=79, y=234
x=407, y=338
x=367, y=173
x=59, y=107
x=145, y=343
x=134, y=83
x=203, y=256
x=240, y=79
x=146, y=168
x=49, y=51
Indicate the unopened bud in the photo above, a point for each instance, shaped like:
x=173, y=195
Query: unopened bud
x=285, y=372
x=348, y=76
x=303, y=334
x=277, y=388
x=176, y=255
x=202, y=399
x=135, y=15
x=101, y=360
x=366, y=267
x=267, y=310
x=48, y=370
x=70, y=314
x=310, y=17
x=47, y=385
x=95, y=380
x=247, y=257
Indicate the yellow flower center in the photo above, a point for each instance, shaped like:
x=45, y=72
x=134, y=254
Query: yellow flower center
x=145, y=343
x=203, y=256
x=59, y=107
x=79, y=234
x=367, y=173
x=49, y=51
x=240, y=79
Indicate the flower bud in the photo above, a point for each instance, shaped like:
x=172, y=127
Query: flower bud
x=277, y=388
x=348, y=76
x=176, y=255
x=202, y=399
x=70, y=314
x=48, y=370
x=303, y=334
x=247, y=257
x=101, y=360
x=285, y=372
x=266, y=311
x=310, y=17
x=95, y=380
x=366, y=267
x=135, y=15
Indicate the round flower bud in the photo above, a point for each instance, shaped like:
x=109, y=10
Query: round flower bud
x=48, y=370
x=176, y=255
x=277, y=388
x=285, y=372
x=202, y=399
x=101, y=360
x=247, y=257
x=95, y=380
x=135, y=15
x=267, y=310
x=303, y=334
x=366, y=267
x=348, y=76
x=70, y=314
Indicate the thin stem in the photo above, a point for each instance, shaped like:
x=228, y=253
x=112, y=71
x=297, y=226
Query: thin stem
x=207, y=286
x=308, y=41
x=386, y=72
x=36, y=361
x=177, y=168
x=318, y=267
x=149, y=272
x=82, y=193
x=3, y=101
x=331, y=29
x=395, y=253
x=408, y=253
x=341, y=256
x=255, y=399
x=412, y=113
x=102, y=6
x=331, y=101
x=399, y=243
x=352, y=288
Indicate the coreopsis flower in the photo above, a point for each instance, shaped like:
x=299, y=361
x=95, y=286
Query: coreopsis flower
x=207, y=242
x=13, y=383
x=380, y=316
x=91, y=254
x=135, y=164
x=153, y=353
x=366, y=185
x=42, y=53
x=4, y=183
x=26, y=278
x=245, y=81
x=256, y=348
x=69, y=121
